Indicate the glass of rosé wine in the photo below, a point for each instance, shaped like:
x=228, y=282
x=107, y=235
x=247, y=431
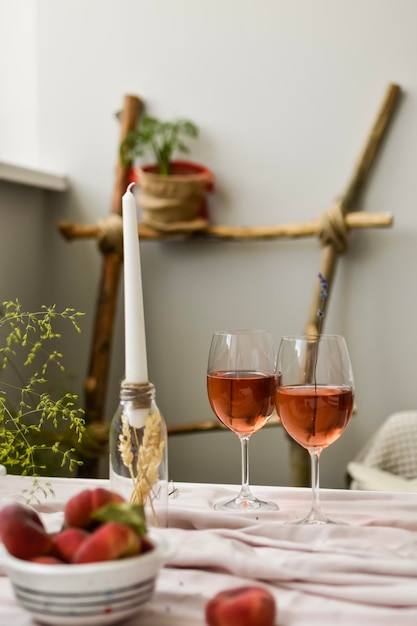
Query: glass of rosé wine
x=314, y=399
x=241, y=391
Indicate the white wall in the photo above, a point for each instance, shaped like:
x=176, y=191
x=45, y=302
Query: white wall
x=19, y=81
x=284, y=92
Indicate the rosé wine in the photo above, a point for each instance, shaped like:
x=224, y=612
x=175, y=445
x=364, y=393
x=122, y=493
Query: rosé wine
x=314, y=415
x=242, y=400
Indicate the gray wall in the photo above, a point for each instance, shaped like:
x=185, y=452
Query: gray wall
x=284, y=92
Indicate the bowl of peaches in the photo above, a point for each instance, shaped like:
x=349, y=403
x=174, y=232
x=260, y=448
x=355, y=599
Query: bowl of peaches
x=100, y=568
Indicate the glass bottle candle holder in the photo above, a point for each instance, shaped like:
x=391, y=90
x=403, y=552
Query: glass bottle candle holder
x=138, y=452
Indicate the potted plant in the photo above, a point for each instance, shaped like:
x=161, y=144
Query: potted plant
x=172, y=192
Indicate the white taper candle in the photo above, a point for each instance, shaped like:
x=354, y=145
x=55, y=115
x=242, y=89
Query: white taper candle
x=136, y=365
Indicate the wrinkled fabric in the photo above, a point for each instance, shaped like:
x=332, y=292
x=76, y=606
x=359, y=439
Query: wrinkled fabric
x=363, y=573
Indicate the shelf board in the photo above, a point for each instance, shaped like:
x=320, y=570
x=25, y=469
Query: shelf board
x=32, y=177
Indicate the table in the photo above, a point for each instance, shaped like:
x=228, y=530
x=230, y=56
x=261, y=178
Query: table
x=361, y=574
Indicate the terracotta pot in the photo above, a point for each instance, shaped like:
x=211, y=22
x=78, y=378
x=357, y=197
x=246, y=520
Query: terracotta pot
x=178, y=197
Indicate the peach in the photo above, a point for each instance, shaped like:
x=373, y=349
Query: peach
x=80, y=508
x=67, y=542
x=47, y=560
x=21, y=510
x=241, y=606
x=146, y=544
x=23, y=533
x=113, y=540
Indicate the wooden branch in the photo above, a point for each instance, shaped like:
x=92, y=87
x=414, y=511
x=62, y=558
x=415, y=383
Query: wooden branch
x=350, y=196
x=192, y=428
x=293, y=231
x=299, y=458
x=372, y=145
x=285, y=231
x=96, y=382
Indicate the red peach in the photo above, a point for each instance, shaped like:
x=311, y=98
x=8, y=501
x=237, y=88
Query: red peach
x=47, y=560
x=241, y=606
x=100, y=497
x=21, y=510
x=79, y=509
x=112, y=540
x=67, y=542
x=146, y=544
x=23, y=533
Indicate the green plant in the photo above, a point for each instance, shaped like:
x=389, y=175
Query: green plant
x=160, y=139
x=29, y=415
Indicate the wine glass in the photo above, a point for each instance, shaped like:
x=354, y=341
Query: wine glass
x=241, y=390
x=314, y=399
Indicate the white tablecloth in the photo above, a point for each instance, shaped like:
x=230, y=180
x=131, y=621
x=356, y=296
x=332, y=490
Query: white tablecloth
x=363, y=574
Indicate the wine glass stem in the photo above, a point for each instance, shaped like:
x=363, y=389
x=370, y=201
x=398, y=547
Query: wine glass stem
x=244, y=445
x=315, y=484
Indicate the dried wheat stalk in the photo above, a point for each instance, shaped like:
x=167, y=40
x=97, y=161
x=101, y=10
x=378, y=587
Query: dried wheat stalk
x=125, y=446
x=150, y=453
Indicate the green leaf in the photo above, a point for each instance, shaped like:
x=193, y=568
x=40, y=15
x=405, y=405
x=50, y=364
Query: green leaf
x=125, y=513
x=159, y=139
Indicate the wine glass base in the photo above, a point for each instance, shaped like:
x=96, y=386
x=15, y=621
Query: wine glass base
x=245, y=504
x=315, y=518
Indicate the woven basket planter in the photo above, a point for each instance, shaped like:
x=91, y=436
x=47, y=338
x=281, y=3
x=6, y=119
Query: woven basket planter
x=176, y=198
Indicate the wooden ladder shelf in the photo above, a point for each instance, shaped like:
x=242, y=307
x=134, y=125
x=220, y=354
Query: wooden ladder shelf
x=332, y=228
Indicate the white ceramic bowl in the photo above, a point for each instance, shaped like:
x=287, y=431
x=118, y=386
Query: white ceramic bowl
x=91, y=594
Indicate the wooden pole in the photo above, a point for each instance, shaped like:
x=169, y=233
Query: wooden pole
x=299, y=458
x=96, y=382
x=329, y=255
x=235, y=233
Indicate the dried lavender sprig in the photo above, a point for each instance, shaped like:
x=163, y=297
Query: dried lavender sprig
x=320, y=314
x=323, y=295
